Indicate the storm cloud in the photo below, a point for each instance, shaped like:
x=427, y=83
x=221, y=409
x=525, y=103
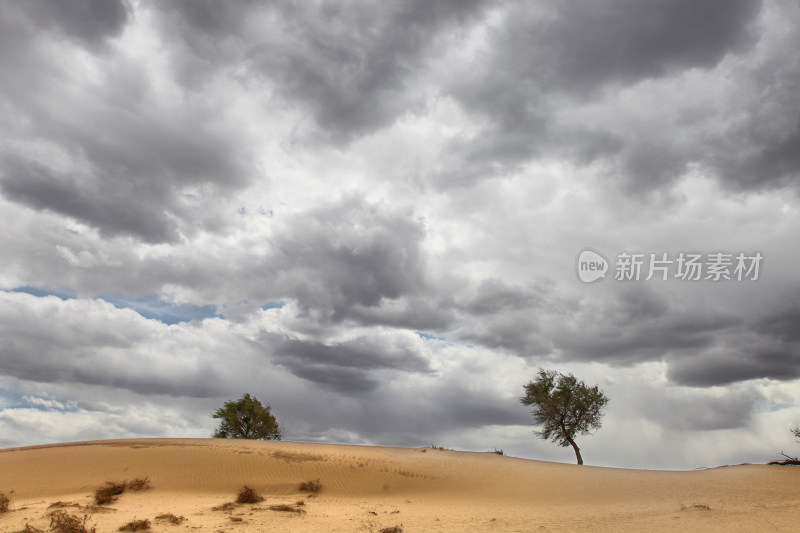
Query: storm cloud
x=368, y=215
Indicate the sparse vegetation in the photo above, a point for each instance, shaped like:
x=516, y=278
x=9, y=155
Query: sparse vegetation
x=311, y=486
x=248, y=495
x=789, y=460
x=696, y=507
x=60, y=505
x=171, y=518
x=227, y=506
x=136, y=525
x=246, y=418
x=139, y=484
x=285, y=508
x=565, y=407
x=5, y=501
x=63, y=522
x=109, y=493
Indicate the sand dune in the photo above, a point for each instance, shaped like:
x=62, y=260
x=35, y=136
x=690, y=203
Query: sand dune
x=367, y=488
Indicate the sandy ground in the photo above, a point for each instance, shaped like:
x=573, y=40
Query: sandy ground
x=366, y=488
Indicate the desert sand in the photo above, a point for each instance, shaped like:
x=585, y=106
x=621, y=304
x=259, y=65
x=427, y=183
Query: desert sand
x=365, y=488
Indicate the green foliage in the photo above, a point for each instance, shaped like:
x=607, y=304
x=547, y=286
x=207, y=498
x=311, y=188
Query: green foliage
x=246, y=418
x=564, y=407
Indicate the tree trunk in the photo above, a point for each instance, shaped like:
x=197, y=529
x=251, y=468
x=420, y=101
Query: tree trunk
x=577, y=451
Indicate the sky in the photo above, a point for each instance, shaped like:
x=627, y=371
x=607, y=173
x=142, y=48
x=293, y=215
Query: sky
x=370, y=215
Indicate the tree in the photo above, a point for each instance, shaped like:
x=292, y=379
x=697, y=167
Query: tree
x=565, y=407
x=794, y=461
x=246, y=418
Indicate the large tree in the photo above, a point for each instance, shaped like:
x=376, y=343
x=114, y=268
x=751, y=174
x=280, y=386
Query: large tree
x=246, y=418
x=564, y=406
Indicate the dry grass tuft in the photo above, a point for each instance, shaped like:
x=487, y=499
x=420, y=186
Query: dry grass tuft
x=285, y=508
x=311, y=486
x=59, y=504
x=393, y=529
x=696, y=507
x=139, y=484
x=171, y=518
x=108, y=494
x=248, y=495
x=4, y=502
x=227, y=506
x=63, y=522
x=136, y=525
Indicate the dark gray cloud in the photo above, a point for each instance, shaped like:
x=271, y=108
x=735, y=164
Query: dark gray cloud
x=767, y=346
x=354, y=66
x=580, y=46
x=95, y=142
x=698, y=410
x=349, y=255
x=539, y=60
x=87, y=22
x=722, y=367
x=348, y=366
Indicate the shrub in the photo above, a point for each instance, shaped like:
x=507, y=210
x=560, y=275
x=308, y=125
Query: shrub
x=4, y=502
x=227, y=506
x=63, y=522
x=108, y=494
x=136, y=525
x=139, y=484
x=311, y=486
x=393, y=529
x=171, y=518
x=285, y=508
x=248, y=495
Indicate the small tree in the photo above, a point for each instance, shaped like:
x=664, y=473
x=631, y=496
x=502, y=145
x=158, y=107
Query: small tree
x=246, y=418
x=565, y=406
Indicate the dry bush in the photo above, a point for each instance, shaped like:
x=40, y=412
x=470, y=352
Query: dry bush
x=31, y=529
x=108, y=494
x=139, y=484
x=696, y=507
x=248, y=495
x=227, y=506
x=136, y=525
x=171, y=518
x=299, y=502
x=311, y=486
x=4, y=502
x=236, y=519
x=60, y=504
x=285, y=508
x=393, y=529
x=63, y=522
